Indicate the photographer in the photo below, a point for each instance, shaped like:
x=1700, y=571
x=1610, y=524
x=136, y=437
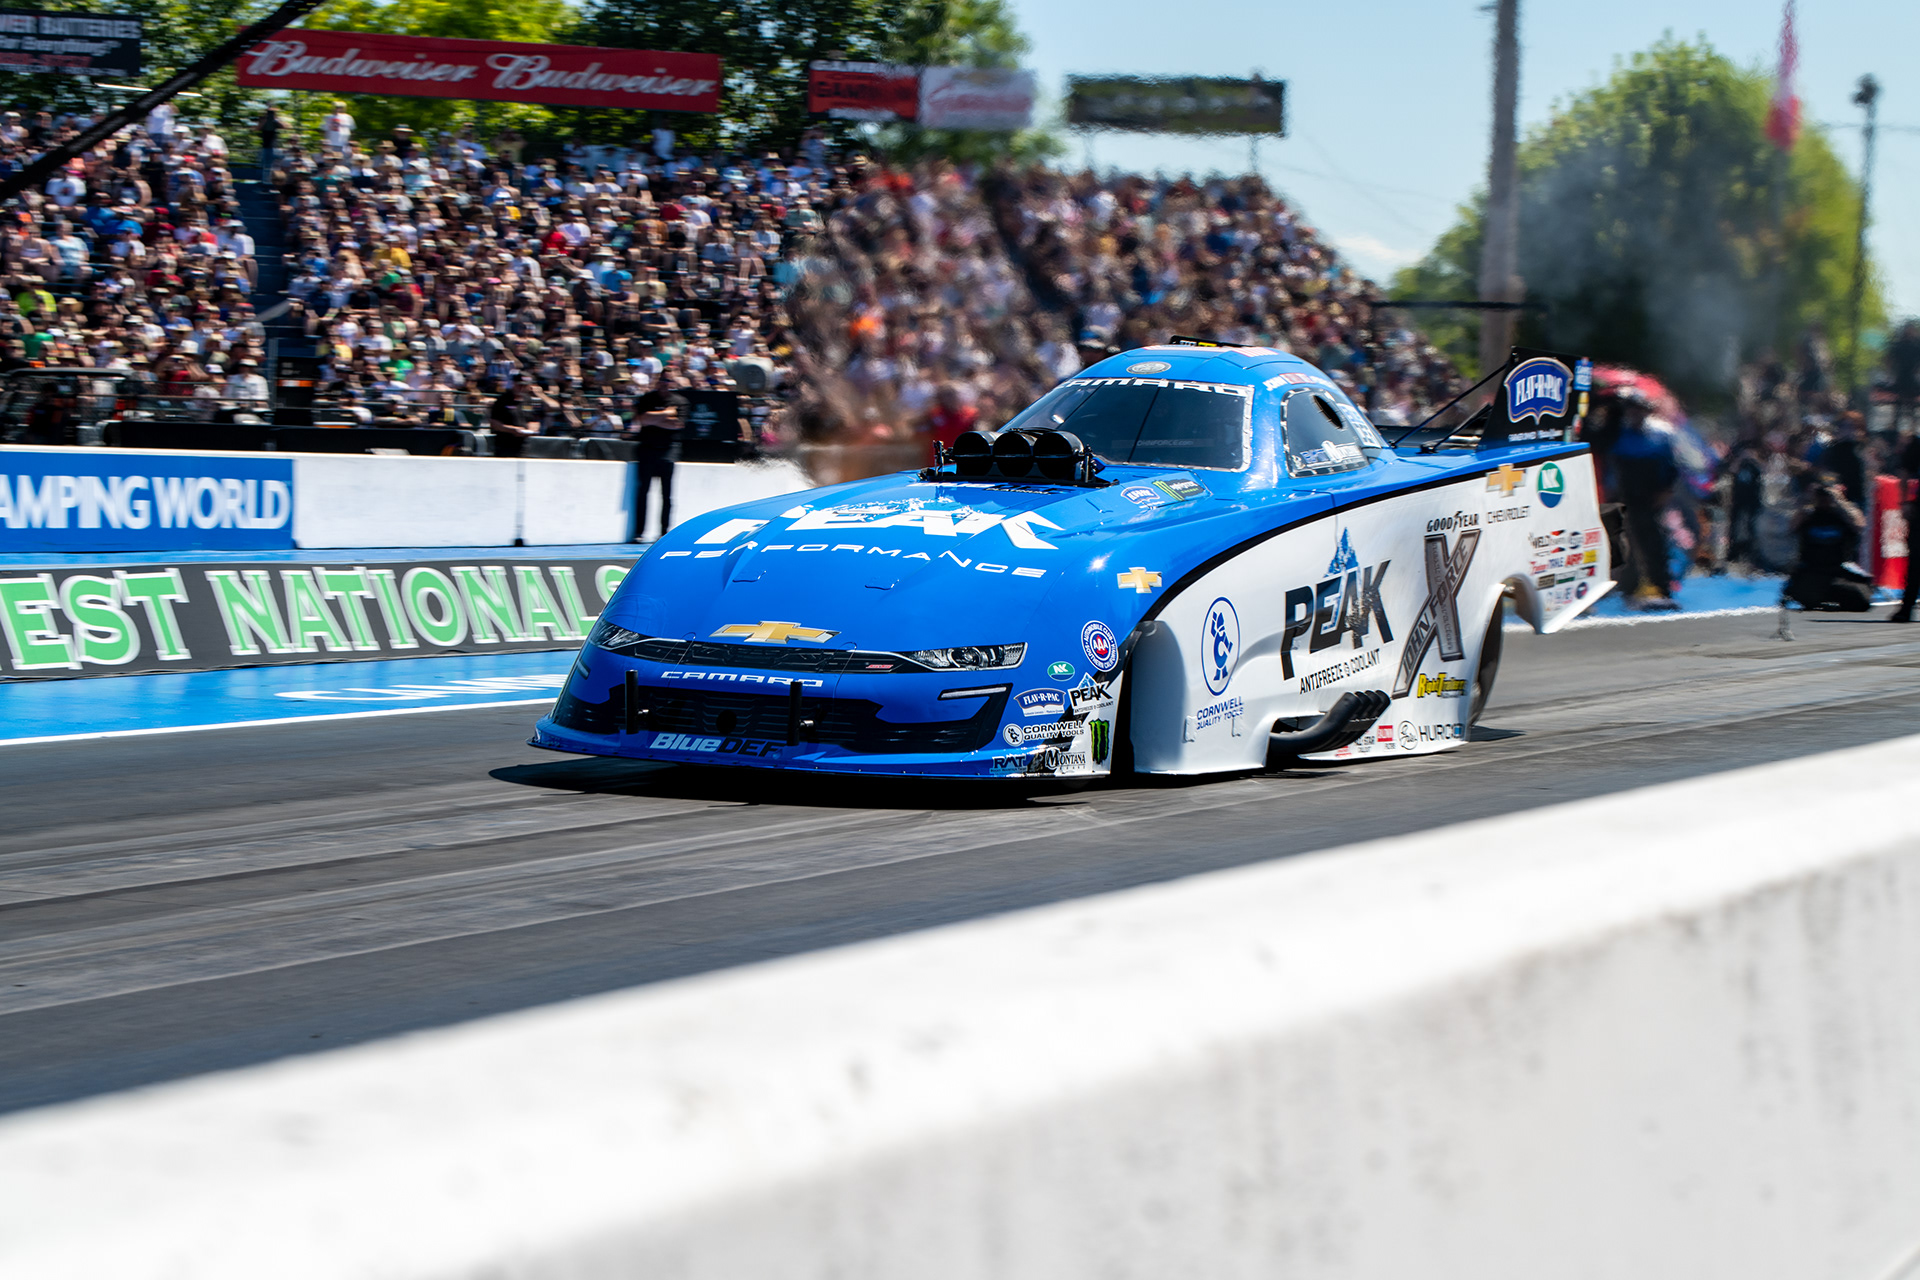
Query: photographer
x=1828, y=530
x=657, y=426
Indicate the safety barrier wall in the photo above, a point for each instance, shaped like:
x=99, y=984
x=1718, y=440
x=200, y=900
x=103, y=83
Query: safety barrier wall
x=1666, y=1034
x=105, y=500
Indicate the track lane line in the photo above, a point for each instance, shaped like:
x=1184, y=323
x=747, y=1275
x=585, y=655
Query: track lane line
x=269, y=720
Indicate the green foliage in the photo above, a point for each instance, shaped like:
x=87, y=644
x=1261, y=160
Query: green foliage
x=531, y=21
x=1664, y=230
x=765, y=46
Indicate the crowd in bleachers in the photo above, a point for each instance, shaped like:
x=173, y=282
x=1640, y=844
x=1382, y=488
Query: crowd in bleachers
x=131, y=260
x=872, y=304
x=846, y=300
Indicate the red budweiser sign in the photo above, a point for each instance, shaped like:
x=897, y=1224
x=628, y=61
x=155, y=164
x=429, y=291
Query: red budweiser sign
x=561, y=75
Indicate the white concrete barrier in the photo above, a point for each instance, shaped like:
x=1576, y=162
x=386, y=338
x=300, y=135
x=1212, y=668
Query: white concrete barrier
x=353, y=500
x=1668, y=1034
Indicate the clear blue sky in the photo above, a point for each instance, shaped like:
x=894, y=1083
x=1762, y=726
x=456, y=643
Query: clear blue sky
x=1389, y=102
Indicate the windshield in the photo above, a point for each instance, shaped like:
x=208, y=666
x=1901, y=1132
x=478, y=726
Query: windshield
x=1149, y=420
x=1319, y=440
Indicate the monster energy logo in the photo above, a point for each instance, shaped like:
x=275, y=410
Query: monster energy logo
x=1440, y=616
x=1101, y=730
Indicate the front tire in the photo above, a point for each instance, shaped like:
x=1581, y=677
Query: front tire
x=1489, y=668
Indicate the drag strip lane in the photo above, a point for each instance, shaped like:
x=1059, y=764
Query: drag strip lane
x=279, y=889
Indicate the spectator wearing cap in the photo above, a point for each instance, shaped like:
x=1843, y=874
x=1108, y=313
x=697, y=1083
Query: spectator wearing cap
x=245, y=386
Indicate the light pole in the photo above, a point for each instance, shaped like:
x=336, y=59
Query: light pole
x=1867, y=96
x=1500, y=251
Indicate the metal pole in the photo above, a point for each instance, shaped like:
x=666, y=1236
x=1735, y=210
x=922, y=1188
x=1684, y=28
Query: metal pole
x=1868, y=96
x=1500, y=250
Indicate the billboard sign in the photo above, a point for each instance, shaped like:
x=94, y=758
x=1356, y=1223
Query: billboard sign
x=107, y=621
x=1178, y=104
x=75, y=44
x=863, y=90
x=561, y=75
x=976, y=98
x=112, y=500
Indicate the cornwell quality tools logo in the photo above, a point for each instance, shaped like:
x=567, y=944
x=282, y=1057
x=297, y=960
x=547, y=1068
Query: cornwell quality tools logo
x=773, y=632
x=1440, y=615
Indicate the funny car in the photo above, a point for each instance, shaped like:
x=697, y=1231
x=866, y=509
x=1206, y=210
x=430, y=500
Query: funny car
x=1185, y=559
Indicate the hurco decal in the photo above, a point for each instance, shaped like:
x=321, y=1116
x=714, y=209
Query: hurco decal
x=1440, y=615
x=1346, y=604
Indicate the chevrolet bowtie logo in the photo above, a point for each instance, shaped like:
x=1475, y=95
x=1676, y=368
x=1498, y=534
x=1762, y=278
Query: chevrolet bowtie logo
x=1141, y=580
x=773, y=632
x=1506, y=479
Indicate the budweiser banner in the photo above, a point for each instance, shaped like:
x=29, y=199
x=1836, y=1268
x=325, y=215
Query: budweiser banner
x=562, y=75
x=863, y=90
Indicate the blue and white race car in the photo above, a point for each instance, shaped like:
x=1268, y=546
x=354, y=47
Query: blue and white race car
x=1187, y=559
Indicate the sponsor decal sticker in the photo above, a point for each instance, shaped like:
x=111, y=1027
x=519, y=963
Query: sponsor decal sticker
x=1458, y=520
x=1344, y=561
x=1551, y=484
x=1061, y=671
x=1180, y=488
x=1042, y=702
x=1089, y=694
x=1538, y=388
x=1102, y=735
x=773, y=632
x=1059, y=731
x=1348, y=603
x=713, y=746
x=1439, y=685
x=1142, y=581
x=1440, y=616
x=1143, y=495
x=1219, y=645
x=1500, y=515
x=1103, y=651
x=1340, y=671
x=1146, y=367
x=1409, y=736
x=1505, y=480
x=1383, y=734
x=1207, y=717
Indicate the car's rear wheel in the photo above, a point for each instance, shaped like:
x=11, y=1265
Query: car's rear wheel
x=1483, y=675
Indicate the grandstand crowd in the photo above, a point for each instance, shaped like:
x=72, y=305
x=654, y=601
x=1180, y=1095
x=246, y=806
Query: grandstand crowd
x=454, y=281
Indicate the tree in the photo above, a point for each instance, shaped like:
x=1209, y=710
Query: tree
x=531, y=21
x=765, y=46
x=1663, y=230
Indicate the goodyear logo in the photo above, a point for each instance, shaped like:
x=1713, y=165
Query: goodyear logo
x=1538, y=388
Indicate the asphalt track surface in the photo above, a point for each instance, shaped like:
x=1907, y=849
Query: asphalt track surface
x=180, y=903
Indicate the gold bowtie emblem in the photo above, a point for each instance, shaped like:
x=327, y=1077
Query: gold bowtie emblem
x=1141, y=580
x=1506, y=479
x=773, y=632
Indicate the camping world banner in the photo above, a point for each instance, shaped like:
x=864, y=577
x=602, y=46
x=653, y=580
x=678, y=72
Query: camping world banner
x=555, y=75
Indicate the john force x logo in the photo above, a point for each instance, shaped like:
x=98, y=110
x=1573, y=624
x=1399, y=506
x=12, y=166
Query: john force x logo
x=1440, y=615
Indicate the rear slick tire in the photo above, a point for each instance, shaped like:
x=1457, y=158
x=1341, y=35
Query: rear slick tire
x=1489, y=668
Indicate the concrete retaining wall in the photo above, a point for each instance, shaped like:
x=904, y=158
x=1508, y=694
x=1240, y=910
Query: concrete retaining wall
x=1673, y=1033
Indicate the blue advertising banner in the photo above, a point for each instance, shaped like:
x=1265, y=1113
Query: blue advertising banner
x=83, y=500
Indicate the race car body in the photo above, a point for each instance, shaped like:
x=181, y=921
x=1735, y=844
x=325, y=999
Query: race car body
x=1182, y=560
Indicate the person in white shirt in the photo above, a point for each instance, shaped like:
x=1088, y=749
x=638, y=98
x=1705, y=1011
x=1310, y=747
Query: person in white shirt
x=212, y=143
x=160, y=122
x=246, y=386
x=67, y=190
x=337, y=128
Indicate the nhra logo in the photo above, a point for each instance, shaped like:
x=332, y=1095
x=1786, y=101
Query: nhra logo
x=1219, y=646
x=1538, y=388
x=1102, y=650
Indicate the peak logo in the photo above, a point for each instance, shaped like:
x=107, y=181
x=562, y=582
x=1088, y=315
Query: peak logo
x=1346, y=604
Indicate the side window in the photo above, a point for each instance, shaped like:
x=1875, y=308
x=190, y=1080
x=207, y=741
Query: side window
x=1319, y=441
